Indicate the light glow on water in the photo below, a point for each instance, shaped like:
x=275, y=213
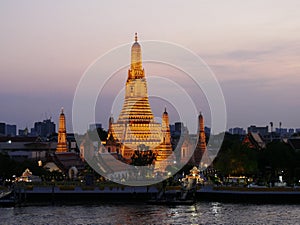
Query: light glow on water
x=120, y=213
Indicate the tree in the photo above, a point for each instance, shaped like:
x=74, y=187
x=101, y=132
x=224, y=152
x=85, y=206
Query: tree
x=237, y=159
x=143, y=156
x=102, y=134
x=10, y=167
x=281, y=159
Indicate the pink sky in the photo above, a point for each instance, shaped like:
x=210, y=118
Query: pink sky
x=253, y=47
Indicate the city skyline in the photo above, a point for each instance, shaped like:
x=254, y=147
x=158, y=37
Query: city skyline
x=252, y=48
x=9, y=129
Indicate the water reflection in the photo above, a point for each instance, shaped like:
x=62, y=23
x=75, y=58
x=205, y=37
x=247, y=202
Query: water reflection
x=200, y=213
x=216, y=207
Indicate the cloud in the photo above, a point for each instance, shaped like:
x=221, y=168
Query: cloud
x=260, y=83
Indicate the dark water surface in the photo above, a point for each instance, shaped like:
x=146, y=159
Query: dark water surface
x=200, y=213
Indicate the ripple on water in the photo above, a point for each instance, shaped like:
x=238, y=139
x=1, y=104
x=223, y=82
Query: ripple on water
x=200, y=213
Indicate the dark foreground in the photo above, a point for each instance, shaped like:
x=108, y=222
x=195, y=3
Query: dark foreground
x=53, y=196
x=141, y=213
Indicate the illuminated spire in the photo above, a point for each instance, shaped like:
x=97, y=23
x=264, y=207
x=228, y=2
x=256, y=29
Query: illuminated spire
x=135, y=37
x=164, y=150
x=62, y=133
x=166, y=128
x=135, y=124
x=201, y=144
x=136, y=70
x=201, y=122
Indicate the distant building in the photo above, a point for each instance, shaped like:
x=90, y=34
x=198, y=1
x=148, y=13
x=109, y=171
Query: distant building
x=72, y=144
x=237, y=130
x=282, y=131
x=186, y=144
x=2, y=129
x=26, y=148
x=95, y=126
x=32, y=132
x=172, y=128
x=190, y=148
x=176, y=129
x=23, y=132
x=207, y=130
x=45, y=128
x=8, y=130
x=263, y=131
x=68, y=163
x=291, y=131
x=11, y=130
x=179, y=126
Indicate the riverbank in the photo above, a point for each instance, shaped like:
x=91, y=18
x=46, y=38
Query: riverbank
x=258, y=195
x=80, y=194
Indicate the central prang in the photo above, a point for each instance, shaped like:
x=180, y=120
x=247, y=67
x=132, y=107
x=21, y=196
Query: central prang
x=136, y=126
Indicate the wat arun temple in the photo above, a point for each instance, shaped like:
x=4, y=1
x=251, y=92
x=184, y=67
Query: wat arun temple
x=136, y=127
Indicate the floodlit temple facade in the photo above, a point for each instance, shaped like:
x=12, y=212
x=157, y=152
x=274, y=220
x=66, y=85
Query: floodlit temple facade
x=135, y=126
x=62, y=134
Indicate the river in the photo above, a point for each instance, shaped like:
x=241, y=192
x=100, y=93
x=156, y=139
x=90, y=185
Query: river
x=120, y=213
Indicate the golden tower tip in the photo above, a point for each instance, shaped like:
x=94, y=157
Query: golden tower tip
x=135, y=37
x=62, y=110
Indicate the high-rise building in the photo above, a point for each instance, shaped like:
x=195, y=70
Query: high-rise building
x=261, y=130
x=95, y=126
x=23, y=132
x=291, y=131
x=136, y=125
x=176, y=129
x=62, y=134
x=207, y=130
x=281, y=130
x=44, y=128
x=2, y=128
x=11, y=130
x=237, y=130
